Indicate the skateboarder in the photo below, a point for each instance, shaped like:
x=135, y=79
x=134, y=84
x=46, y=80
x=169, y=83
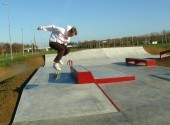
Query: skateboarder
x=58, y=41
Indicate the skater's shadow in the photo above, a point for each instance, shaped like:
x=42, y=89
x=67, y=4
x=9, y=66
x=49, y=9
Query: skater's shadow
x=65, y=78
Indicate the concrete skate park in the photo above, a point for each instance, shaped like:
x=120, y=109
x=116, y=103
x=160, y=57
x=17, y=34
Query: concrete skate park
x=118, y=93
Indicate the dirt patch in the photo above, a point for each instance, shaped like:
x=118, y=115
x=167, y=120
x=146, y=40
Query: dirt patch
x=156, y=51
x=11, y=88
x=14, y=69
x=163, y=62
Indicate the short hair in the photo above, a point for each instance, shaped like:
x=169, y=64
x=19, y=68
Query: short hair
x=73, y=29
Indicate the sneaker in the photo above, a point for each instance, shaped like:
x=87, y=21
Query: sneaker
x=61, y=62
x=56, y=66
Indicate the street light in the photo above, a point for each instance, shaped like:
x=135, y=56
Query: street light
x=22, y=42
x=34, y=41
x=6, y=4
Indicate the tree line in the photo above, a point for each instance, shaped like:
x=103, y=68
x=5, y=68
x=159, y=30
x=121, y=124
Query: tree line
x=162, y=37
x=16, y=47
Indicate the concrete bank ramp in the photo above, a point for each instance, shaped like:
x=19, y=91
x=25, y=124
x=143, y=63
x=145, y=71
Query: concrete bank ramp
x=101, y=54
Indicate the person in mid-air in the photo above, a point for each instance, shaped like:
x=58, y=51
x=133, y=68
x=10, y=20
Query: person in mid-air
x=58, y=41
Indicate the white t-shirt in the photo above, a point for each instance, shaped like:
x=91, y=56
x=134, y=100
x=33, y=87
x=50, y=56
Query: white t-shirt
x=58, y=34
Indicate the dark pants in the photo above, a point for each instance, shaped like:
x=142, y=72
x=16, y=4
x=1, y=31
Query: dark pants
x=61, y=48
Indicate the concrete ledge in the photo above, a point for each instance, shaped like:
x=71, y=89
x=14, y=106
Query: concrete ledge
x=98, y=75
x=81, y=74
x=140, y=61
x=107, y=75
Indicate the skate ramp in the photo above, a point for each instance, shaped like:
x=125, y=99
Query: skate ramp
x=100, y=56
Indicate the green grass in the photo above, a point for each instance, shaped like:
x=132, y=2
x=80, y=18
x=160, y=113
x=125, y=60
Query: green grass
x=75, y=49
x=2, y=56
x=7, y=62
x=160, y=45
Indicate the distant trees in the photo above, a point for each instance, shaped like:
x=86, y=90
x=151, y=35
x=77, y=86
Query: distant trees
x=16, y=48
x=4, y=48
x=162, y=37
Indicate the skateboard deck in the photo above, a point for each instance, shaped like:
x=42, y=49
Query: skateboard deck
x=57, y=75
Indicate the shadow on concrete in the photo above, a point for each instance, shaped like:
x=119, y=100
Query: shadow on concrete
x=30, y=86
x=126, y=64
x=65, y=78
x=160, y=77
x=150, y=58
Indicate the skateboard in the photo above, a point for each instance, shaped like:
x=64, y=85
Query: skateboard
x=57, y=75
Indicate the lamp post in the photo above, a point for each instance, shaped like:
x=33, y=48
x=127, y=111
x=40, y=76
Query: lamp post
x=22, y=42
x=6, y=4
x=34, y=41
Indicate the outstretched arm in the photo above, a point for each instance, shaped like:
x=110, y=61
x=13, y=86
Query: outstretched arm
x=49, y=28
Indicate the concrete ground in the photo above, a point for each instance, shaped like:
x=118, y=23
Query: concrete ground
x=144, y=101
